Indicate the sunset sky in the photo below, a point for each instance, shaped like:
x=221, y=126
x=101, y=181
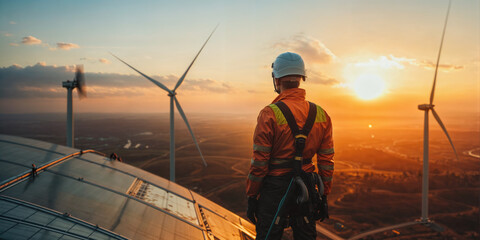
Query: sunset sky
x=342, y=42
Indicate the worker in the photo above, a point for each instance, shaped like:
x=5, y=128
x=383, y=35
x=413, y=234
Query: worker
x=275, y=153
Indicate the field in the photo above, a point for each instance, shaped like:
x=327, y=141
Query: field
x=377, y=180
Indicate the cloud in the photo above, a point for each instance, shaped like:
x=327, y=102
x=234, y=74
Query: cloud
x=207, y=85
x=96, y=60
x=45, y=81
x=7, y=34
x=383, y=62
x=391, y=61
x=66, y=46
x=445, y=67
x=311, y=49
x=30, y=40
x=12, y=22
x=321, y=78
x=13, y=44
x=104, y=60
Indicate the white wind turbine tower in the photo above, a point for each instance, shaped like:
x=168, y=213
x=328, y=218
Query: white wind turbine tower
x=423, y=107
x=172, y=94
x=79, y=83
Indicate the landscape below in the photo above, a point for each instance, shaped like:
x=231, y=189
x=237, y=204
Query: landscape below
x=378, y=165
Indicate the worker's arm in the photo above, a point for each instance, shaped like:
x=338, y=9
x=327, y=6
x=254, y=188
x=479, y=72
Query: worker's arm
x=262, y=146
x=325, y=156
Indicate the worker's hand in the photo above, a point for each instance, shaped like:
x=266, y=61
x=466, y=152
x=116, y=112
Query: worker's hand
x=252, y=209
x=324, y=208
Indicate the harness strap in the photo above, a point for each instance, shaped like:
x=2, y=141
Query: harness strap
x=289, y=117
x=312, y=114
x=300, y=135
x=287, y=163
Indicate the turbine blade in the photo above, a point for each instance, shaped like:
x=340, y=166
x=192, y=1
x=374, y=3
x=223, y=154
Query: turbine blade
x=444, y=130
x=147, y=77
x=439, y=53
x=80, y=79
x=185, y=73
x=180, y=110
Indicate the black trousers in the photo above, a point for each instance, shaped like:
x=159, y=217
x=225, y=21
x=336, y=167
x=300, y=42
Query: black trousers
x=271, y=193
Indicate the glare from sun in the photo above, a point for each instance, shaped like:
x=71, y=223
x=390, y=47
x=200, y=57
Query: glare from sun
x=368, y=86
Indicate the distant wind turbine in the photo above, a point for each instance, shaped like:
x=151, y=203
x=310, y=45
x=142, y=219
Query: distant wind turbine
x=79, y=83
x=172, y=94
x=424, y=107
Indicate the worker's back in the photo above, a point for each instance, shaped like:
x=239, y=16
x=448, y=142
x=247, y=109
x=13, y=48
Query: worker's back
x=278, y=159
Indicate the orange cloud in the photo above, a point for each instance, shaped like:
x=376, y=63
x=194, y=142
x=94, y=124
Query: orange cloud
x=446, y=67
x=384, y=62
x=311, y=49
x=66, y=46
x=321, y=78
x=30, y=40
x=104, y=60
x=400, y=63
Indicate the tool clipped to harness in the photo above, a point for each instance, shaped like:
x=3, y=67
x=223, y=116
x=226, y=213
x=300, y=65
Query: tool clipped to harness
x=303, y=193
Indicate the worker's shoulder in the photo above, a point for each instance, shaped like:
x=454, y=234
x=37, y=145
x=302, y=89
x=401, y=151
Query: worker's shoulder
x=322, y=115
x=267, y=111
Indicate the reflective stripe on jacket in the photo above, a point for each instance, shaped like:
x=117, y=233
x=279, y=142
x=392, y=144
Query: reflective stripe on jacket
x=273, y=141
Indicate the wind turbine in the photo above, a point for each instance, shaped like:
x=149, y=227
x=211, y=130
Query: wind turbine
x=424, y=107
x=173, y=99
x=79, y=83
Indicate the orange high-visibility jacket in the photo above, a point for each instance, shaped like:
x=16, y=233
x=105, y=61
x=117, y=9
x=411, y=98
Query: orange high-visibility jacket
x=273, y=142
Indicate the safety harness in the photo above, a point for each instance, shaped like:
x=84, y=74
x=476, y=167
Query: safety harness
x=300, y=135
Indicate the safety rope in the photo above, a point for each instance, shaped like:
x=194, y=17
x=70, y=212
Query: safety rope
x=278, y=209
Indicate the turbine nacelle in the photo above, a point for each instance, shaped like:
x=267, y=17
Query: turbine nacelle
x=425, y=107
x=78, y=82
x=68, y=84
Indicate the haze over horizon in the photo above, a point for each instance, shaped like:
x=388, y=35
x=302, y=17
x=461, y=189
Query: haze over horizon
x=391, y=45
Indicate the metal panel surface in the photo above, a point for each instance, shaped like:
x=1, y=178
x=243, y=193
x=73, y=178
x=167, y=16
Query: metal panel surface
x=23, y=155
x=222, y=217
x=221, y=229
x=97, y=205
x=19, y=231
x=37, y=144
x=43, y=234
x=24, y=220
x=165, y=200
x=104, y=176
x=95, y=189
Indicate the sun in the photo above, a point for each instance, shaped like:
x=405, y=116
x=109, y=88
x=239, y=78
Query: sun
x=368, y=86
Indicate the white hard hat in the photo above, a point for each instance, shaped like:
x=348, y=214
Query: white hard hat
x=288, y=64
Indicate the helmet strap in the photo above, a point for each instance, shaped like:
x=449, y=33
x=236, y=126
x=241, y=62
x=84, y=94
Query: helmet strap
x=275, y=85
